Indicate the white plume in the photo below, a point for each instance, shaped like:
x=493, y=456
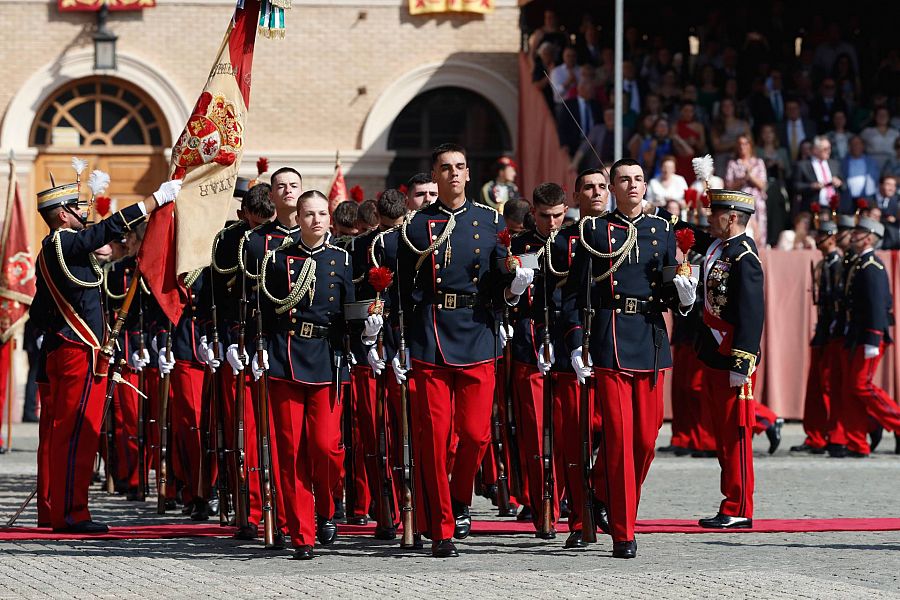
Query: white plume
x=79, y=165
x=703, y=167
x=98, y=181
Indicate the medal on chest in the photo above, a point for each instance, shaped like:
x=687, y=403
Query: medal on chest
x=717, y=286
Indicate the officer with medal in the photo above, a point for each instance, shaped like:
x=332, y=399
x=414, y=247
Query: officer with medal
x=304, y=286
x=728, y=346
x=68, y=309
x=623, y=255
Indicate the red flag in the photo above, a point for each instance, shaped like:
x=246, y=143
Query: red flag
x=17, y=275
x=207, y=156
x=337, y=193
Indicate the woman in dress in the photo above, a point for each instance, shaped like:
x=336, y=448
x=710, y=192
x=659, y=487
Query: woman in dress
x=747, y=173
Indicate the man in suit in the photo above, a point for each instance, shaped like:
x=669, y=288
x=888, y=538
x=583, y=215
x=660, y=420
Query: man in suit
x=585, y=110
x=825, y=104
x=819, y=179
x=860, y=170
x=887, y=201
x=795, y=128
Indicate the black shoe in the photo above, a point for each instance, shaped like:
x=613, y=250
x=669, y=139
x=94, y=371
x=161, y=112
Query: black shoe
x=133, y=495
x=213, y=506
x=326, y=530
x=279, y=541
x=837, y=450
x=339, y=511
x=804, y=447
x=303, y=553
x=875, y=437
x=721, y=521
x=510, y=511
x=564, y=511
x=84, y=527
x=703, y=454
x=897, y=443
x=680, y=451
x=490, y=492
x=385, y=533
x=2, y=449
x=201, y=511
x=463, y=520
x=248, y=532
x=187, y=509
x=666, y=449
x=550, y=535
x=855, y=454
x=444, y=549
x=774, y=434
x=30, y=418
x=601, y=517
x=358, y=520
x=625, y=549
x=576, y=540
x=171, y=505
x=526, y=514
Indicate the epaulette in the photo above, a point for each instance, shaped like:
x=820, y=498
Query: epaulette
x=749, y=250
x=872, y=261
x=490, y=208
x=666, y=221
x=346, y=254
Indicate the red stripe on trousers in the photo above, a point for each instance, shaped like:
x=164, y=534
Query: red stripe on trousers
x=818, y=399
x=228, y=387
x=864, y=399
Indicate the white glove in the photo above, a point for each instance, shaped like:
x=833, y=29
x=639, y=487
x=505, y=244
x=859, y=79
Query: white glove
x=166, y=364
x=374, y=323
x=523, y=278
x=39, y=341
x=737, y=379
x=258, y=369
x=544, y=367
x=506, y=334
x=582, y=371
x=375, y=361
x=236, y=359
x=168, y=191
x=154, y=343
x=139, y=359
x=870, y=351
x=399, y=372
x=204, y=352
x=686, y=288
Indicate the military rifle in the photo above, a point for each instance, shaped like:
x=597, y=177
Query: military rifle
x=266, y=482
x=588, y=529
x=408, y=508
x=504, y=507
x=545, y=525
x=508, y=417
x=163, y=464
x=219, y=407
x=141, y=410
x=241, y=503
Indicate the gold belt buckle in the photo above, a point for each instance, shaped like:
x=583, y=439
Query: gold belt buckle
x=631, y=305
x=306, y=330
x=450, y=301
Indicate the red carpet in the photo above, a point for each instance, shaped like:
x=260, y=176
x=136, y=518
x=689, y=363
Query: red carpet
x=504, y=527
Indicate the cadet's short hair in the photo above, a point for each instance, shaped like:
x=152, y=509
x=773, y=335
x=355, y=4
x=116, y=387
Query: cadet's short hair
x=392, y=204
x=622, y=162
x=367, y=213
x=346, y=213
x=418, y=179
x=445, y=148
x=580, y=179
x=257, y=202
x=548, y=194
x=283, y=170
x=516, y=210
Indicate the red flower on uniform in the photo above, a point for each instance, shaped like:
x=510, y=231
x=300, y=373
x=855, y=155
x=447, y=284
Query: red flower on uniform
x=357, y=194
x=504, y=238
x=380, y=278
x=684, y=238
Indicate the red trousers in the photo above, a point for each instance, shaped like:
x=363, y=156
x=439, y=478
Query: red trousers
x=818, y=399
x=228, y=388
x=125, y=405
x=45, y=433
x=185, y=406
x=838, y=358
x=632, y=409
x=305, y=419
x=77, y=398
x=567, y=444
x=489, y=464
x=733, y=420
x=683, y=412
x=864, y=399
x=275, y=472
x=448, y=398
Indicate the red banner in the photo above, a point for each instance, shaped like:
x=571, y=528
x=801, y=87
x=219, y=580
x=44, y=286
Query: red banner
x=95, y=5
x=17, y=275
x=337, y=191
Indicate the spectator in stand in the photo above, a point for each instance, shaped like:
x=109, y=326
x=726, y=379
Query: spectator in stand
x=818, y=179
x=886, y=198
x=691, y=131
x=630, y=85
x=799, y=237
x=846, y=78
x=892, y=166
x=589, y=50
x=825, y=104
x=654, y=67
x=839, y=136
x=759, y=105
x=663, y=142
x=880, y=137
x=747, y=173
x=860, y=171
x=551, y=32
x=668, y=186
x=726, y=129
x=601, y=137
x=775, y=94
x=708, y=93
x=827, y=53
x=669, y=92
x=566, y=76
x=582, y=109
x=653, y=106
x=689, y=94
x=642, y=134
x=795, y=128
x=778, y=172
x=545, y=62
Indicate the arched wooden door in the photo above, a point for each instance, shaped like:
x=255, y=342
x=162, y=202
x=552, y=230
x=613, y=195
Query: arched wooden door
x=108, y=122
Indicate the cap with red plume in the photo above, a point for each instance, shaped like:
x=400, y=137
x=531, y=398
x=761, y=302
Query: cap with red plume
x=504, y=238
x=380, y=278
x=862, y=204
x=690, y=197
x=704, y=200
x=684, y=239
x=815, y=209
x=357, y=194
x=262, y=165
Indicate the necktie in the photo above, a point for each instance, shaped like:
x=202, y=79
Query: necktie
x=795, y=144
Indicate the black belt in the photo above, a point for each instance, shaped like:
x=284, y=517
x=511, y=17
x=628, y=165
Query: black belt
x=635, y=306
x=310, y=330
x=452, y=300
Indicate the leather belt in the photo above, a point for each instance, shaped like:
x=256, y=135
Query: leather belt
x=453, y=301
x=310, y=330
x=635, y=306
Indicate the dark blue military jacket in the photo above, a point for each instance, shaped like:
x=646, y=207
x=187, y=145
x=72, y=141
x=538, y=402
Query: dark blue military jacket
x=227, y=279
x=376, y=248
x=195, y=320
x=869, y=302
x=450, y=292
x=629, y=332
x=303, y=340
x=827, y=281
x=116, y=281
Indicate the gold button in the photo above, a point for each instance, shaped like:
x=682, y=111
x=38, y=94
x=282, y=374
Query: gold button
x=331, y=273
x=290, y=261
x=652, y=284
x=268, y=237
x=293, y=272
x=293, y=320
x=477, y=265
x=332, y=263
x=477, y=250
x=437, y=266
x=573, y=254
x=437, y=279
x=434, y=237
x=330, y=285
x=331, y=298
x=618, y=310
x=650, y=299
x=475, y=236
x=618, y=296
x=193, y=318
x=127, y=271
x=615, y=282
x=516, y=309
x=527, y=247
x=653, y=243
x=474, y=280
x=653, y=230
x=612, y=240
x=656, y=255
x=475, y=223
x=440, y=306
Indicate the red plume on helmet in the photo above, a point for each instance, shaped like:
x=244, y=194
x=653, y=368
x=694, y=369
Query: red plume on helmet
x=357, y=194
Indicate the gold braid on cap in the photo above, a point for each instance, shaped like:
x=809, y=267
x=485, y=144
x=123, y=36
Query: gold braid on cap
x=61, y=259
x=305, y=284
x=620, y=255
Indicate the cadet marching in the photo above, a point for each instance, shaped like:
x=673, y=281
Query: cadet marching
x=315, y=378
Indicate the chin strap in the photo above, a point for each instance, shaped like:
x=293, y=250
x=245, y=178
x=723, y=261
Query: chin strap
x=82, y=220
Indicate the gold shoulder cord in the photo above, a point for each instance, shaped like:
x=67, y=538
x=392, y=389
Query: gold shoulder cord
x=214, y=264
x=95, y=266
x=305, y=284
x=547, y=251
x=191, y=278
x=106, y=269
x=423, y=254
x=620, y=255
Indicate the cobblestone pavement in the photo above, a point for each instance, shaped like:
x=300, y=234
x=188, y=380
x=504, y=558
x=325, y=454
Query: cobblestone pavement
x=739, y=565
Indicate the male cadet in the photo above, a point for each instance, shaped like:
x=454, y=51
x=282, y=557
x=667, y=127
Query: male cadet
x=869, y=318
x=496, y=192
x=819, y=394
x=729, y=347
x=420, y=191
x=450, y=284
x=67, y=307
x=624, y=254
x=230, y=288
x=372, y=249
